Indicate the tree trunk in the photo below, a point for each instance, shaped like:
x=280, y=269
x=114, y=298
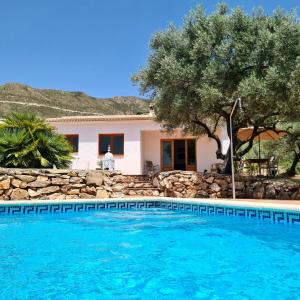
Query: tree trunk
x=227, y=163
x=292, y=170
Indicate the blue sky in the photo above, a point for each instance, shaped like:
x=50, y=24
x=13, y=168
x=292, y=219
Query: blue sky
x=89, y=45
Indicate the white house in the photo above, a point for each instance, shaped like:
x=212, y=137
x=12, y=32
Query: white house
x=135, y=139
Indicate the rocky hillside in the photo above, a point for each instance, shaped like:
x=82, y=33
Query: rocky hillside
x=15, y=97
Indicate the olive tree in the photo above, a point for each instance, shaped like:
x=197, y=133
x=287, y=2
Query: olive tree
x=196, y=72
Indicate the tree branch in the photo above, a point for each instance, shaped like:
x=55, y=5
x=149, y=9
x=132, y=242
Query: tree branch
x=213, y=136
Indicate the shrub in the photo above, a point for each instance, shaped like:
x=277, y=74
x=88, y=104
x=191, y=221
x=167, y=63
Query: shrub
x=27, y=141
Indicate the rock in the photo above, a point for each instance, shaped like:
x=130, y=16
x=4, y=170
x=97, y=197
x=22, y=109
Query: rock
x=191, y=193
x=177, y=194
x=94, y=179
x=181, y=179
x=224, y=186
x=75, y=180
x=42, y=178
x=188, y=183
x=174, y=179
x=86, y=196
x=283, y=195
x=32, y=193
x=72, y=197
x=108, y=188
x=8, y=192
x=117, y=195
x=102, y=194
x=57, y=171
x=107, y=181
x=270, y=192
x=73, y=192
x=155, y=182
x=72, y=173
x=202, y=194
x=38, y=184
x=77, y=185
x=19, y=194
x=296, y=195
x=249, y=192
x=210, y=179
x=59, y=181
x=118, y=187
x=26, y=178
x=131, y=193
x=47, y=190
x=56, y=196
x=155, y=193
x=16, y=182
x=179, y=185
x=203, y=185
x=238, y=185
x=131, y=184
x=194, y=178
x=119, y=178
x=82, y=174
x=215, y=187
x=138, y=185
x=23, y=185
x=5, y=184
x=89, y=190
x=259, y=192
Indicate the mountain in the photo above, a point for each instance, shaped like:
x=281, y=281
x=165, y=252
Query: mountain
x=15, y=97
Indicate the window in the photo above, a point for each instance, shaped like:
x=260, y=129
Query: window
x=73, y=139
x=115, y=141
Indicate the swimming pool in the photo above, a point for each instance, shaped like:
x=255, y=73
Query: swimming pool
x=147, y=254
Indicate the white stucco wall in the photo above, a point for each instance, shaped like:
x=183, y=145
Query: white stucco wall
x=205, y=148
x=87, y=156
x=141, y=142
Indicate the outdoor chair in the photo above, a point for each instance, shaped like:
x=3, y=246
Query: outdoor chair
x=273, y=166
x=151, y=169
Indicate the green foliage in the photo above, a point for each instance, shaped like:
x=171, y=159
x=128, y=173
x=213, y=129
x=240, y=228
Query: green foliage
x=286, y=149
x=196, y=72
x=26, y=141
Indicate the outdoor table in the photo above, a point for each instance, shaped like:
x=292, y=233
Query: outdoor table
x=259, y=162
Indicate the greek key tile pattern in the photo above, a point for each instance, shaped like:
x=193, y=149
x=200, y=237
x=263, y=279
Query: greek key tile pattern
x=274, y=216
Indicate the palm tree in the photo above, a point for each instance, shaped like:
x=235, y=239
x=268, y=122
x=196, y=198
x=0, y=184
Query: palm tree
x=27, y=141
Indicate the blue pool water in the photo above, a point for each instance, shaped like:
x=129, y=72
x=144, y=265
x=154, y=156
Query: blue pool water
x=152, y=254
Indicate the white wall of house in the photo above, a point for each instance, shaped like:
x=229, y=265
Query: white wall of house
x=141, y=142
x=87, y=156
x=205, y=147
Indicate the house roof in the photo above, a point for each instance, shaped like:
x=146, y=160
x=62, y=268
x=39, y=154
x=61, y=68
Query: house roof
x=73, y=119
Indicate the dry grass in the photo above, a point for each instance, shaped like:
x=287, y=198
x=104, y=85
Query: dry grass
x=78, y=101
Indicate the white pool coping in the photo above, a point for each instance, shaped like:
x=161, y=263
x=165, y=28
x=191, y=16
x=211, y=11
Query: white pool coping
x=257, y=204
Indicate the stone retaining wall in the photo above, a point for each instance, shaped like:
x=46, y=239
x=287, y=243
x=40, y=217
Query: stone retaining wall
x=191, y=184
x=22, y=184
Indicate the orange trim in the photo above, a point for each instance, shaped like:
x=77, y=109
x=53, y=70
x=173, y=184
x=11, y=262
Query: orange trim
x=171, y=167
x=111, y=135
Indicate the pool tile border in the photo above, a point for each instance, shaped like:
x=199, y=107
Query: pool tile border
x=271, y=215
x=275, y=215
